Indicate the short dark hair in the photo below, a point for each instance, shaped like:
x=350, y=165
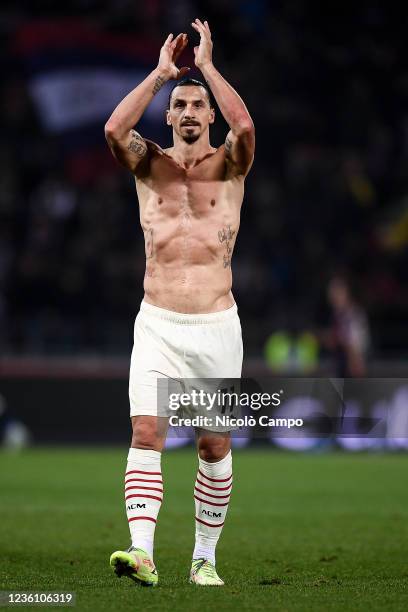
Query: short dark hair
x=196, y=83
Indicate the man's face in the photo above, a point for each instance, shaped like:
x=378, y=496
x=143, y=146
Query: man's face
x=190, y=113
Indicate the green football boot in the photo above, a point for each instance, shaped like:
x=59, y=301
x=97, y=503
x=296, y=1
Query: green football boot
x=203, y=572
x=136, y=564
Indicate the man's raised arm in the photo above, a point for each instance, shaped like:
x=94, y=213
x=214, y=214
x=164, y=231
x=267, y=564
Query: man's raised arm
x=240, y=141
x=127, y=145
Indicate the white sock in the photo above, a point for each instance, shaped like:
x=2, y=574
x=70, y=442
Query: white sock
x=143, y=496
x=212, y=494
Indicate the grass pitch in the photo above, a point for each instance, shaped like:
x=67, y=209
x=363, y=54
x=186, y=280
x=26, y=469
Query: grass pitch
x=303, y=532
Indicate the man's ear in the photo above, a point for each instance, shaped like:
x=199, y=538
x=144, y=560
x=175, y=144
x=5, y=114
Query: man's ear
x=168, y=120
x=212, y=115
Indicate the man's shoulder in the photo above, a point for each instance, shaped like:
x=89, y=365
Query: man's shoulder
x=152, y=147
x=153, y=151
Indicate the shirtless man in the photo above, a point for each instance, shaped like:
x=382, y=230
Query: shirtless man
x=190, y=197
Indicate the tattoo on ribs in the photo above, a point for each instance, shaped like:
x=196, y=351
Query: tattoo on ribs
x=226, y=235
x=137, y=144
x=158, y=84
x=149, y=243
x=228, y=145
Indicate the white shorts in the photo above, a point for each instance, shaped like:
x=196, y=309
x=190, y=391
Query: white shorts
x=174, y=346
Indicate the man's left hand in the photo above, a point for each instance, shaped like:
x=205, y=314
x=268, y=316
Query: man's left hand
x=203, y=53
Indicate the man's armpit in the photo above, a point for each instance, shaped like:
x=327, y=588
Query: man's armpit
x=137, y=144
x=228, y=145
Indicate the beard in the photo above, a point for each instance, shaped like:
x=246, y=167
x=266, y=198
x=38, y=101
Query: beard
x=190, y=138
x=190, y=135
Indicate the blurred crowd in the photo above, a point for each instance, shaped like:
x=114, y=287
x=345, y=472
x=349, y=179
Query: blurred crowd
x=327, y=87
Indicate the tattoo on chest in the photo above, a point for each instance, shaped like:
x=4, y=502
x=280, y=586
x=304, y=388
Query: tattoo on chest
x=226, y=236
x=137, y=144
x=148, y=235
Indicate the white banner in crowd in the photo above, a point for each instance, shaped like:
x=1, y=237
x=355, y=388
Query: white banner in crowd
x=70, y=98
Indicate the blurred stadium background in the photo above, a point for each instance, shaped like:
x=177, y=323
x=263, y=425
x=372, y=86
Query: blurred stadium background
x=327, y=197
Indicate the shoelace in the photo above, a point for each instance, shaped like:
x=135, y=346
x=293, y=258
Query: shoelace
x=205, y=566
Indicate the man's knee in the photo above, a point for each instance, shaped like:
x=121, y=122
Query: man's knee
x=213, y=448
x=148, y=433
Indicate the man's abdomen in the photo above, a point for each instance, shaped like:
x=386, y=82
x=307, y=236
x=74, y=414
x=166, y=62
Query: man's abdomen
x=188, y=288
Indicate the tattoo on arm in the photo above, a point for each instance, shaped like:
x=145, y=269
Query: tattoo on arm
x=137, y=144
x=226, y=236
x=149, y=243
x=158, y=84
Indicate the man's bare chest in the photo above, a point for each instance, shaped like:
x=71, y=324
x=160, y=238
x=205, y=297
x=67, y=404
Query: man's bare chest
x=205, y=189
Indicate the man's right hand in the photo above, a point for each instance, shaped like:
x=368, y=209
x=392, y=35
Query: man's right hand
x=127, y=145
x=169, y=54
